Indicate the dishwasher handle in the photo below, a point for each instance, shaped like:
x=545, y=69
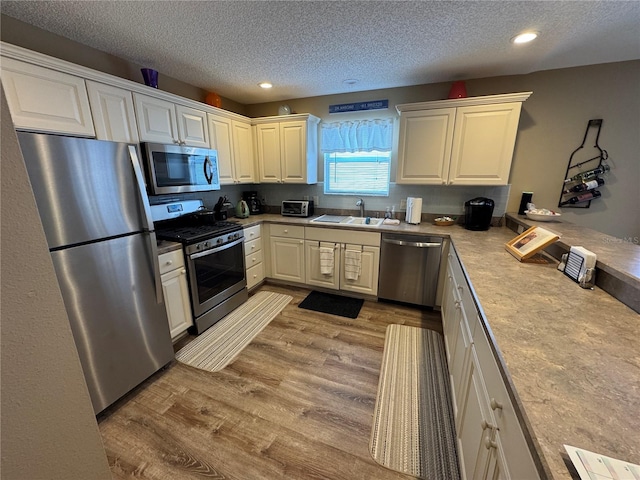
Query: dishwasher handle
x=404, y=243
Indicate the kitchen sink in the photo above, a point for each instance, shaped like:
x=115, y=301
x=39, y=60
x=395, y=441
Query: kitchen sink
x=348, y=220
x=373, y=222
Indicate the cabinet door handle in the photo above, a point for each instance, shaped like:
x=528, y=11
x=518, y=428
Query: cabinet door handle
x=169, y=262
x=489, y=443
x=286, y=231
x=183, y=271
x=495, y=404
x=484, y=424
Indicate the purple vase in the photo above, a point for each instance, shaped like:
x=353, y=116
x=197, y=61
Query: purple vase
x=150, y=77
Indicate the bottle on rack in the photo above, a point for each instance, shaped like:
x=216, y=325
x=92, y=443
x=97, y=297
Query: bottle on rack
x=585, y=197
x=583, y=187
x=604, y=168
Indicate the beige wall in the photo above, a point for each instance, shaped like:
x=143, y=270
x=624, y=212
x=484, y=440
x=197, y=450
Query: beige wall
x=49, y=430
x=24, y=35
x=552, y=125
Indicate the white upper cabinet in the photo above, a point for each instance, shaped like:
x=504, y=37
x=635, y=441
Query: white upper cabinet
x=233, y=140
x=424, y=146
x=287, y=148
x=161, y=121
x=243, y=157
x=467, y=141
x=114, y=117
x=46, y=100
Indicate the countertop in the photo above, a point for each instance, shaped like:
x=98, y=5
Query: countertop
x=571, y=354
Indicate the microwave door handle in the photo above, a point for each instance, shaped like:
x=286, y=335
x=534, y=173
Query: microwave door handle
x=148, y=221
x=208, y=174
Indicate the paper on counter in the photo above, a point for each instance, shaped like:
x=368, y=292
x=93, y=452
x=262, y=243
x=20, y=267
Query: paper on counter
x=593, y=466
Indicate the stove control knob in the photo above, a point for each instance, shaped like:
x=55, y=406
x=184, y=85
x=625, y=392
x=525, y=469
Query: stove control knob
x=236, y=235
x=218, y=241
x=198, y=247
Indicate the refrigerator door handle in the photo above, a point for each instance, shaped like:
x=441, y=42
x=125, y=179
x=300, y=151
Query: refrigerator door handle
x=133, y=154
x=137, y=170
x=156, y=267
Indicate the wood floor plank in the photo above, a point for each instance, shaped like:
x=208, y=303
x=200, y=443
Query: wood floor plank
x=297, y=403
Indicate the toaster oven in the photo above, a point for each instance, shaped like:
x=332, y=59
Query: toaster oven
x=297, y=208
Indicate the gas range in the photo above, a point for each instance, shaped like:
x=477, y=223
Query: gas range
x=214, y=257
x=188, y=223
x=198, y=235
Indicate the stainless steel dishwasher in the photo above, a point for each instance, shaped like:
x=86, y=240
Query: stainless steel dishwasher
x=409, y=267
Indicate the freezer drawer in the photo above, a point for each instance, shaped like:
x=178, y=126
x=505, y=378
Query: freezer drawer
x=409, y=267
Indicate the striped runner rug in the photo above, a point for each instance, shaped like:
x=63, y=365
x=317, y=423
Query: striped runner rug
x=413, y=427
x=218, y=346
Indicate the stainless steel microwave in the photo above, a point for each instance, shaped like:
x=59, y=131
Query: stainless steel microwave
x=178, y=169
x=297, y=208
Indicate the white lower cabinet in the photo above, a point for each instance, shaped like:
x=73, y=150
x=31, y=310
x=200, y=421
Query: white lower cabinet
x=176, y=292
x=343, y=243
x=491, y=441
x=253, y=256
x=287, y=253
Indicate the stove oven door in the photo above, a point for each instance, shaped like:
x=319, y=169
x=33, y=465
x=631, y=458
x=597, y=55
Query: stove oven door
x=215, y=275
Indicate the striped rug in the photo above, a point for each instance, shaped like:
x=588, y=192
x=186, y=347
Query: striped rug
x=218, y=346
x=413, y=428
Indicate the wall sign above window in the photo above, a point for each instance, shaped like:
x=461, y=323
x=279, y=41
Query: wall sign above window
x=358, y=106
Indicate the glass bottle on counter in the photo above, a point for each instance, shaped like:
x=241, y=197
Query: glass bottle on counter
x=583, y=187
x=585, y=197
x=604, y=168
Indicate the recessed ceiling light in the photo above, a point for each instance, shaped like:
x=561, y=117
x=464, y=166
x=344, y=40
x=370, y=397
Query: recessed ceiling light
x=265, y=85
x=350, y=81
x=524, y=37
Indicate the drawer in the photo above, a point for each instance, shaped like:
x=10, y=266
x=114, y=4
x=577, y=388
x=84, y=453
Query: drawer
x=253, y=246
x=170, y=261
x=251, y=233
x=291, y=231
x=463, y=291
x=253, y=259
x=255, y=275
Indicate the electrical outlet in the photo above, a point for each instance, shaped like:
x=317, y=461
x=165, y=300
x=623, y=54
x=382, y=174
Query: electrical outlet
x=403, y=203
x=316, y=200
x=264, y=200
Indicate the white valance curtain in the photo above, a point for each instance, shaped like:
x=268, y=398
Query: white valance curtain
x=357, y=136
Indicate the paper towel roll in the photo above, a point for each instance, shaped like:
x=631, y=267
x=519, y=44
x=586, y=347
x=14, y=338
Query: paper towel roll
x=414, y=210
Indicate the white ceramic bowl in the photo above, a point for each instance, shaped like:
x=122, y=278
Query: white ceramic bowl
x=542, y=218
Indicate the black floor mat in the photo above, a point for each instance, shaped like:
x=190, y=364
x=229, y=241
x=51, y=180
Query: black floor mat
x=333, y=304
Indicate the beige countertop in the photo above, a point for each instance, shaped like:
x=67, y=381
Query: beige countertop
x=572, y=354
x=165, y=246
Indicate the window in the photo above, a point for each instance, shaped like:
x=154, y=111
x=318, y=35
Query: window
x=357, y=157
x=357, y=173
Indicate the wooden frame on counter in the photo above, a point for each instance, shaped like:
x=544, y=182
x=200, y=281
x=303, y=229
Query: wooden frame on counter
x=530, y=242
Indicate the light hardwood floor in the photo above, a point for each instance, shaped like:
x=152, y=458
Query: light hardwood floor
x=297, y=403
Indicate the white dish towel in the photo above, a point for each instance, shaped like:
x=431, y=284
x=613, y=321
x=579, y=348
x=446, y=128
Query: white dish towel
x=326, y=260
x=352, y=264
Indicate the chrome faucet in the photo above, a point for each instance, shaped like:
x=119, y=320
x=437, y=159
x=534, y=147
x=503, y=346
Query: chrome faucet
x=360, y=203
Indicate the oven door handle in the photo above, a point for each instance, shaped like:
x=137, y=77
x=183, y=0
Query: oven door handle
x=211, y=251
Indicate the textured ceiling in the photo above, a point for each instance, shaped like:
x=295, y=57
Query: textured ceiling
x=308, y=48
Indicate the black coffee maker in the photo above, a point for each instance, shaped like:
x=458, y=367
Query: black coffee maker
x=251, y=197
x=477, y=213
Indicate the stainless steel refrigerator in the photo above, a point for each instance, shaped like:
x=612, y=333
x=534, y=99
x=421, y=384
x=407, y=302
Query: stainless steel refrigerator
x=97, y=220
